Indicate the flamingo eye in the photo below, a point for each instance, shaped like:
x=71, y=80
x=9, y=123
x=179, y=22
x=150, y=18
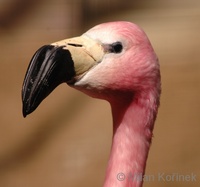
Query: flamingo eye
x=116, y=47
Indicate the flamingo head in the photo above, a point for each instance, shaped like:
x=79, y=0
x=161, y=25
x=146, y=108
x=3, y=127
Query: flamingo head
x=110, y=59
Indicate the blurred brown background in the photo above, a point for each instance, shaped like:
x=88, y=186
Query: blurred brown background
x=66, y=141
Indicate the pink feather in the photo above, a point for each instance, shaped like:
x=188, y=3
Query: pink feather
x=130, y=81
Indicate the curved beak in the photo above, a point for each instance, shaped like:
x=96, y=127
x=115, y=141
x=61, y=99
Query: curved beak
x=64, y=61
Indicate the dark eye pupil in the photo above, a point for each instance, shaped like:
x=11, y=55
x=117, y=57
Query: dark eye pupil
x=117, y=47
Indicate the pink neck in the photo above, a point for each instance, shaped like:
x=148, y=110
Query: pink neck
x=133, y=122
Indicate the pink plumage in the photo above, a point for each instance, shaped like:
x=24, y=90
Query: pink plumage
x=130, y=81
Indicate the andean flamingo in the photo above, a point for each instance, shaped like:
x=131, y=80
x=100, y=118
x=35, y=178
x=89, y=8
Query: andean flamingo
x=116, y=62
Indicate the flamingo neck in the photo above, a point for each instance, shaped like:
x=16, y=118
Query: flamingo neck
x=133, y=121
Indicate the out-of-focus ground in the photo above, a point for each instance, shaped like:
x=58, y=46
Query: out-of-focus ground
x=66, y=141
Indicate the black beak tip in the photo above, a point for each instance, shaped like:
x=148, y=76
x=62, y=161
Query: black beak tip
x=24, y=114
x=25, y=109
x=49, y=67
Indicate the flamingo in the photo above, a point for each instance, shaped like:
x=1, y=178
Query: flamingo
x=113, y=61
